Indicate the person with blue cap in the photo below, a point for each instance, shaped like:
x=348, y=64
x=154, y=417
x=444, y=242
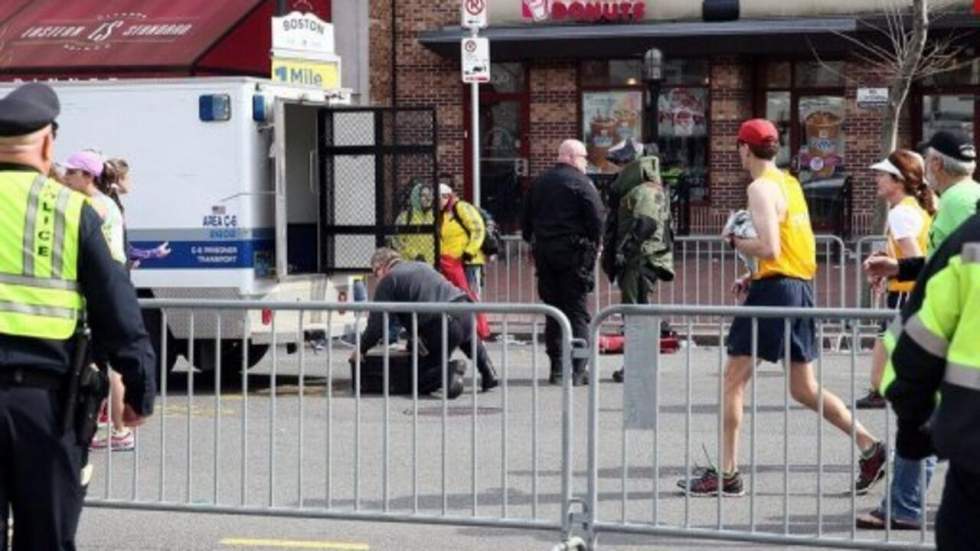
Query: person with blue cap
x=58, y=280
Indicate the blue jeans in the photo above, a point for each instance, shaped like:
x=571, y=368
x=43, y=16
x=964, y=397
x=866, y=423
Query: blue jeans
x=907, y=489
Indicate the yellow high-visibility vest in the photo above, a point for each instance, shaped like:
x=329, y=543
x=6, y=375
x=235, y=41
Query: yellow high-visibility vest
x=39, y=241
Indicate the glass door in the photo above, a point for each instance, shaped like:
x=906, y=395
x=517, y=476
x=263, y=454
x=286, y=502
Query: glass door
x=503, y=161
x=504, y=148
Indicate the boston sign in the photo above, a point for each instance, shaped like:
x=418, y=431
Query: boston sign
x=582, y=11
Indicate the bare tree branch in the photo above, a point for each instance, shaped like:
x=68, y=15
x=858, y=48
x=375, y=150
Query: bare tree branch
x=880, y=53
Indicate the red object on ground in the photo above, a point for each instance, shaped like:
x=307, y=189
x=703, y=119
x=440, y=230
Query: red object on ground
x=615, y=344
x=452, y=269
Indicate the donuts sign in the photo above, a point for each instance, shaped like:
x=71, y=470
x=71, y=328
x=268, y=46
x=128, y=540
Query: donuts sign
x=583, y=11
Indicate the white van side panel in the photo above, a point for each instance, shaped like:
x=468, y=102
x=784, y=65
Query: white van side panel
x=192, y=183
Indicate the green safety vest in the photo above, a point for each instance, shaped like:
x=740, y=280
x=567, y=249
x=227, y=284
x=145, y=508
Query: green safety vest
x=39, y=240
x=947, y=324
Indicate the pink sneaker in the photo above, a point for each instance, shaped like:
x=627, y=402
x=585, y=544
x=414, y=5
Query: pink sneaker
x=123, y=440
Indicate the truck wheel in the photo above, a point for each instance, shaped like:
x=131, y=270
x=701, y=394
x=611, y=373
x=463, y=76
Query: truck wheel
x=231, y=355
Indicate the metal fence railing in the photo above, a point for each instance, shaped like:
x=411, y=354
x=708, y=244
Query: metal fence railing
x=799, y=471
x=299, y=435
x=705, y=268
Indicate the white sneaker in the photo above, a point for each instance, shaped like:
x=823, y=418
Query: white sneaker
x=123, y=440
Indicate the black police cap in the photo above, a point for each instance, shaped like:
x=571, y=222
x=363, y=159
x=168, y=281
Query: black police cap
x=953, y=144
x=29, y=108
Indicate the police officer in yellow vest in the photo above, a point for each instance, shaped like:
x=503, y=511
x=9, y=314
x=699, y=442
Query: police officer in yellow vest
x=55, y=271
x=934, y=346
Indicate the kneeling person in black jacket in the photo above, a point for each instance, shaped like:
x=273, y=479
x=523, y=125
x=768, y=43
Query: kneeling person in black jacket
x=409, y=281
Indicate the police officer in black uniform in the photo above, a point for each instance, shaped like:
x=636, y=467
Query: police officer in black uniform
x=55, y=272
x=563, y=222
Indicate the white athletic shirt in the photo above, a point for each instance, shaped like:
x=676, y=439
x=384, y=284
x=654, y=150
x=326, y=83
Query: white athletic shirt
x=904, y=222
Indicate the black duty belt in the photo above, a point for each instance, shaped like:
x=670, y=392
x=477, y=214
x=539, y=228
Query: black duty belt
x=31, y=378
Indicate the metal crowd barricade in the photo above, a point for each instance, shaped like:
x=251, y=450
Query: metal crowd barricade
x=291, y=440
x=863, y=248
x=799, y=479
x=705, y=268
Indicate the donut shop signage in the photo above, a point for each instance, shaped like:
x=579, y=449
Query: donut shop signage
x=582, y=11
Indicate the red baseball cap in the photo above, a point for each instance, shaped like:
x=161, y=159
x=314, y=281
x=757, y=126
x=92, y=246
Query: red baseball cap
x=758, y=132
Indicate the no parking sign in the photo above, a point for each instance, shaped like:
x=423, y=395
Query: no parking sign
x=475, y=54
x=474, y=14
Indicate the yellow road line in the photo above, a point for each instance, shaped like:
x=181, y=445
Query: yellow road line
x=295, y=544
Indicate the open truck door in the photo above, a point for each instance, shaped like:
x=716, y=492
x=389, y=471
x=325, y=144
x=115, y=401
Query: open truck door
x=296, y=168
x=378, y=179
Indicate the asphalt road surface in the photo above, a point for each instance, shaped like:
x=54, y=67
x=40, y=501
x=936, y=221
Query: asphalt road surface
x=266, y=447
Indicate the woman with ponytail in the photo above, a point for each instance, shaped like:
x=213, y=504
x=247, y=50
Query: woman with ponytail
x=911, y=204
x=117, y=183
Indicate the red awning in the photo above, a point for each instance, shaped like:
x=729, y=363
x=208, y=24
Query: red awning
x=106, y=37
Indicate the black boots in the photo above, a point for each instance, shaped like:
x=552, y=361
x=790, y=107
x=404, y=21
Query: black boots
x=456, y=370
x=488, y=375
x=580, y=375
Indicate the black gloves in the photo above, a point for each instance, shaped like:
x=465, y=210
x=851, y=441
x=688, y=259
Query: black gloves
x=913, y=441
x=467, y=257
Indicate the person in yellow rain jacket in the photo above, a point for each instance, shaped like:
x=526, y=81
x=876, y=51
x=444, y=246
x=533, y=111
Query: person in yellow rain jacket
x=461, y=233
x=417, y=246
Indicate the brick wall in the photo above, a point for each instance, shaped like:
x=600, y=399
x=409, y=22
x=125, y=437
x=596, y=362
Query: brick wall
x=863, y=139
x=423, y=78
x=554, y=111
x=379, y=57
x=427, y=80
x=731, y=103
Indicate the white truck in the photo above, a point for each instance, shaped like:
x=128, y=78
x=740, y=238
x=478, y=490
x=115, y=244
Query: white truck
x=225, y=170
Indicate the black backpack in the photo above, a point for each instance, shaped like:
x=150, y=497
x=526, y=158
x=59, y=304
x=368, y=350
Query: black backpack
x=492, y=240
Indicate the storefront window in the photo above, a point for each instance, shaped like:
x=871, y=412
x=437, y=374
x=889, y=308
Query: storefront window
x=821, y=155
x=967, y=74
x=506, y=78
x=613, y=111
x=686, y=72
x=683, y=138
x=609, y=117
x=778, y=111
x=805, y=99
x=612, y=73
x=816, y=74
x=682, y=130
x=942, y=112
x=779, y=75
